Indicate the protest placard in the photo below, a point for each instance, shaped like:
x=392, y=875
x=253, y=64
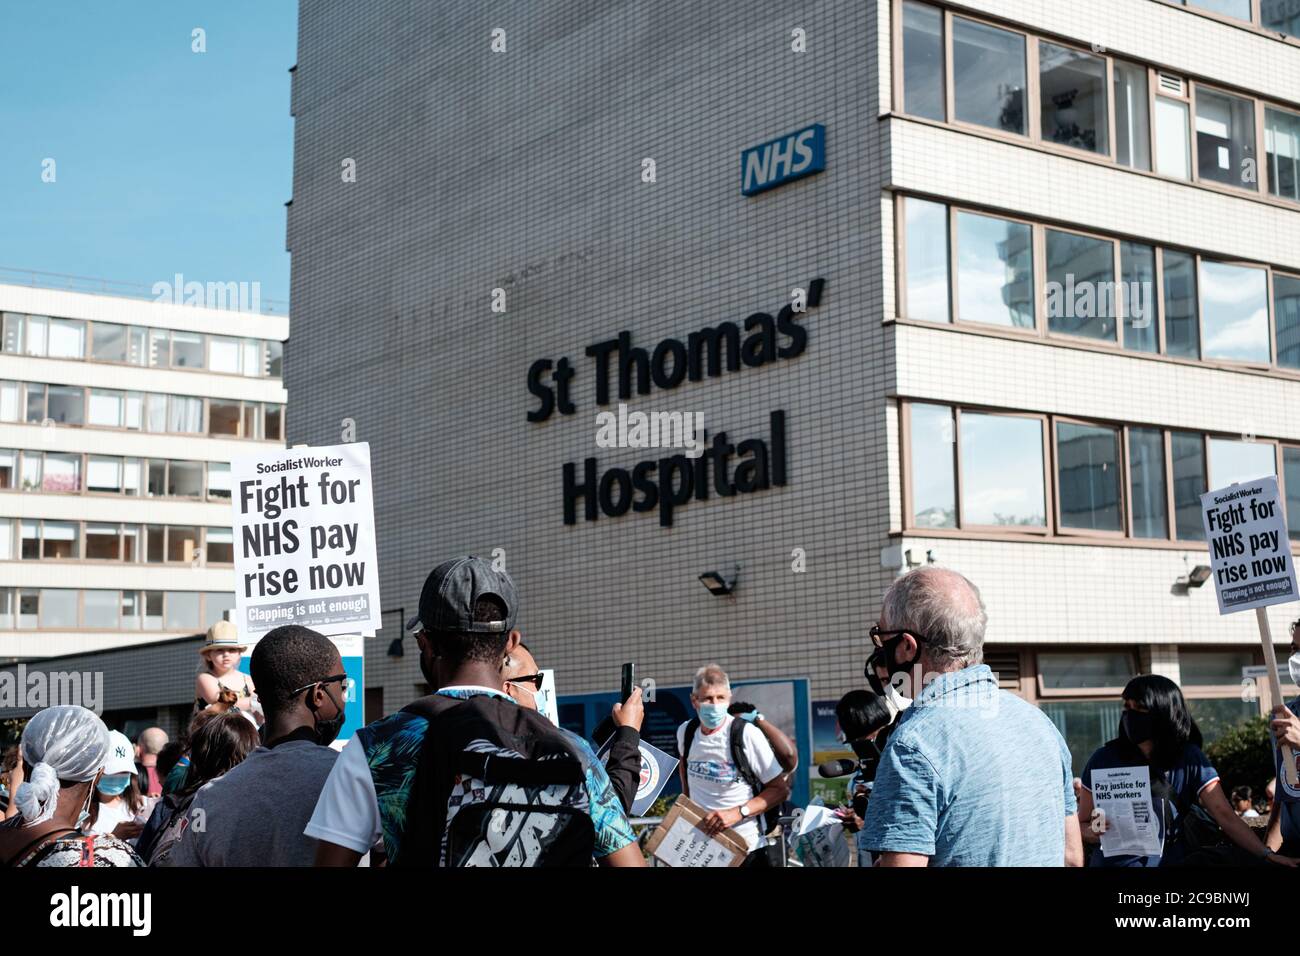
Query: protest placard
x=304, y=528
x=1252, y=565
x=547, y=700
x=352, y=650
x=1123, y=796
x=679, y=841
x=656, y=770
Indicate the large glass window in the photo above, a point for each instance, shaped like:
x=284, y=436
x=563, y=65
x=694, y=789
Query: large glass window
x=219, y=545
x=1212, y=668
x=99, y=608
x=29, y=603
x=1081, y=285
x=182, y=543
x=1286, y=315
x=1132, y=120
x=109, y=342
x=8, y=468
x=153, y=610
x=1002, y=471
x=155, y=412
x=59, y=539
x=58, y=607
x=223, y=417
x=107, y=409
x=30, y=532
x=274, y=359
x=1280, y=15
x=927, y=260
x=185, y=414
x=1234, y=307
x=215, y=604
x=1225, y=139
x=35, y=403
x=988, y=71
x=1173, y=149
x=131, y=610
x=1137, y=296
x=62, y=473
x=1188, y=452
x=1291, y=477
x=182, y=610
x=1182, y=323
x=66, y=404
x=1093, y=670
x=1232, y=460
x=67, y=339
x=273, y=419
x=1088, y=477
x=1147, y=493
x=934, y=496
x=922, y=61
x=995, y=273
x=1072, y=98
x=223, y=354
x=185, y=479
x=187, y=350
x=1239, y=9
x=11, y=332
x=104, y=474
x=1085, y=724
x=9, y=402
x=31, y=471
x=37, y=329
x=102, y=542
x=1282, y=151
x=218, y=480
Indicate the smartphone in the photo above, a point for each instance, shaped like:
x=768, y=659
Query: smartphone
x=629, y=682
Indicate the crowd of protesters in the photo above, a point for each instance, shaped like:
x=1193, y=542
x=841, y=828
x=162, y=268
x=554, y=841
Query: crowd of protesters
x=957, y=773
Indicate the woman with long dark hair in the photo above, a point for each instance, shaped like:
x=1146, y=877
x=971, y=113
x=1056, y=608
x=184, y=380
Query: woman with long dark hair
x=221, y=742
x=1157, y=731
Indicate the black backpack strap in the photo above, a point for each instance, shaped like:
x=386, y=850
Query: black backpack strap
x=740, y=758
x=422, y=839
x=688, y=738
x=494, y=770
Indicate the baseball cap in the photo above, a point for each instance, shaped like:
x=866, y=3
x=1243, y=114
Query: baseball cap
x=454, y=587
x=121, y=755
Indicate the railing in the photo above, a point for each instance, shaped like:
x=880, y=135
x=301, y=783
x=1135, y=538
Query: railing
x=130, y=290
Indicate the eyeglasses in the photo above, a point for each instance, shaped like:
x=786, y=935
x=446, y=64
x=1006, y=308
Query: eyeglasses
x=880, y=637
x=534, y=679
x=340, y=679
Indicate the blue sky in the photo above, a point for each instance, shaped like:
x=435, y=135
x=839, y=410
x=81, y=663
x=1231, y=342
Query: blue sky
x=166, y=160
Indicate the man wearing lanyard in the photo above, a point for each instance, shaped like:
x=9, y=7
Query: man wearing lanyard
x=465, y=633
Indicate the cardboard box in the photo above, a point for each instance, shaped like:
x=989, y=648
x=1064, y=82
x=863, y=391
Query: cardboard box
x=679, y=841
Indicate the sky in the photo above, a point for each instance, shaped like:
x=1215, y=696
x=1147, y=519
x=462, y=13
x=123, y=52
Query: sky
x=166, y=160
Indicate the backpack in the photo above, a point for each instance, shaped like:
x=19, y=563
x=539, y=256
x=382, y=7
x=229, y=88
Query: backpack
x=496, y=784
x=736, y=742
x=171, y=832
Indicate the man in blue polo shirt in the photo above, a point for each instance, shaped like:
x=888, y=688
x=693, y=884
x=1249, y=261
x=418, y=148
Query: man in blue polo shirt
x=972, y=775
x=1284, y=818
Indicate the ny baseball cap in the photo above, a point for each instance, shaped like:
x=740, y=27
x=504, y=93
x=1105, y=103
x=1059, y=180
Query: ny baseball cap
x=454, y=587
x=121, y=755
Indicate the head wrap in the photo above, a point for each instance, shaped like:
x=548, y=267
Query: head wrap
x=60, y=743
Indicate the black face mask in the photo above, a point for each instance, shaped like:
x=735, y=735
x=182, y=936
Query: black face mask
x=1135, y=727
x=327, y=731
x=865, y=749
x=885, y=657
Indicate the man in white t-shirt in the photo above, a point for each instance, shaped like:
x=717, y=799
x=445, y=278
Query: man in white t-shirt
x=710, y=775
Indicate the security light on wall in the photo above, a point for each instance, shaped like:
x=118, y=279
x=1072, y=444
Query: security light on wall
x=719, y=585
x=1192, y=579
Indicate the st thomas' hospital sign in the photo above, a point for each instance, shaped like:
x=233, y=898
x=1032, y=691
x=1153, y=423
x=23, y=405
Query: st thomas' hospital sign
x=670, y=482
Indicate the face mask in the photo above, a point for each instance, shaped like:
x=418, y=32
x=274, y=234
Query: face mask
x=895, y=701
x=1135, y=727
x=712, y=715
x=865, y=749
x=327, y=731
x=115, y=785
x=1293, y=665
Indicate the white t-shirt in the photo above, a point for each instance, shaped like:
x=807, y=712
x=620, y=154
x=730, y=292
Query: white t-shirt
x=715, y=782
x=347, y=812
x=110, y=815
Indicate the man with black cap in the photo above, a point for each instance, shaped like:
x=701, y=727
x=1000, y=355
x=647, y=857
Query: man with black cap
x=465, y=776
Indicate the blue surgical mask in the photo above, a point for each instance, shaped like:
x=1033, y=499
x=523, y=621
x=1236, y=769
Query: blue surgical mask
x=712, y=715
x=113, y=786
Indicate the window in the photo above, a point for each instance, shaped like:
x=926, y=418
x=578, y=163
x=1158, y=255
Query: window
x=31, y=471
x=159, y=348
x=934, y=495
x=1234, y=308
x=274, y=422
x=62, y=473
x=182, y=610
x=1132, y=122
x=922, y=63
x=9, y=401
x=1291, y=478
x=182, y=543
x=108, y=342
x=1280, y=15
x=995, y=273
x=137, y=345
x=67, y=339
x=185, y=415
x=1232, y=460
x=1173, y=150
x=11, y=332
x=58, y=607
x=252, y=351
x=1286, y=315
x=1147, y=494
x=223, y=417
x=1188, y=453
x=250, y=420
x=1072, y=98
x=1182, y=324
x=131, y=610
x=275, y=355
x=1282, y=152
x=99, y=608
x=104, y=474
x=155, y=535
x=1080, y=285
x=223, y=354
x=988, y=76
x=7, y=526
x=107, y=409
x=1091, y=670
x=1238, y=9
x=153, y=610
x=187, y=350
x=130, y=537
x=6, y=608
x=66, y=404
x=8, y=468
x=157, y=486
x=1088, y=477
x=1137, y=296
x=1212, y=668
x=185, y=479
x=218, y=480
x=37, y=328
x=927, y=260
x=1225, y=138
x=1002, y=471
x=29, y=603
x=219, y=544
x=59, y=540
x=134, y=410
x=131, y=468
x=155, y=413
x=215, y=604
x=31, y=535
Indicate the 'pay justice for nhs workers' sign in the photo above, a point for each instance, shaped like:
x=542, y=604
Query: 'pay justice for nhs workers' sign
x=783, y=159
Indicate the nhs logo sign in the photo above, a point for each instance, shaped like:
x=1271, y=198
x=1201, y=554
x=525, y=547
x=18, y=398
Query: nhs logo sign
x=783, y=159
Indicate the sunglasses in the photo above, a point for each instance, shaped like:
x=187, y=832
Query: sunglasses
x=880, y=637
x=340, y=679
x=534, y=679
